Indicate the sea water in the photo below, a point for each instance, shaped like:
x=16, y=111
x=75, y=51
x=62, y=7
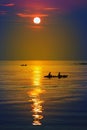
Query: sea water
x=28, y=101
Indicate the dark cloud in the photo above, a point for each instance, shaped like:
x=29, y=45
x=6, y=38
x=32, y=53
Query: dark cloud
x=23, y=15
x=8, y=5
x=3, y=12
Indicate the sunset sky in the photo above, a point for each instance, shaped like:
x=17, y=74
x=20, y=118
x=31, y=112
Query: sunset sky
x=61, y=35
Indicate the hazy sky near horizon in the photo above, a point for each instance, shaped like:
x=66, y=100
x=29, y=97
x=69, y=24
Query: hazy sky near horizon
x=61, y=35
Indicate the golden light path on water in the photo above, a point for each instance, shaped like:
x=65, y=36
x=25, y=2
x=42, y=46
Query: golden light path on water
x=36, y=75
x=35, y=97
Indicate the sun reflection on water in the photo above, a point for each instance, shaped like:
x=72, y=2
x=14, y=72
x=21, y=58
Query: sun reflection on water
x=36, y=75
x=35, y=97
x=36, y=105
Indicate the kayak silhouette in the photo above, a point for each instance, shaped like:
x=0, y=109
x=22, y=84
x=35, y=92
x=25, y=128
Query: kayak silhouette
x=55, y=76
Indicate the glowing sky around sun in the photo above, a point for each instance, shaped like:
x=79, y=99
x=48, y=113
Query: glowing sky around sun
x=61, y=34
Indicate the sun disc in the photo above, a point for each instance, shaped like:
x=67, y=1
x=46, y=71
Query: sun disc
x=37, y=20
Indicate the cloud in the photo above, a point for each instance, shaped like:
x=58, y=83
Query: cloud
x=3, y=12
x=23, y=15
x=51, y=9
x=8, y=5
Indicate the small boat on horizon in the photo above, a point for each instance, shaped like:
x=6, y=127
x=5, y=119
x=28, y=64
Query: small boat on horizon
x=81, y=63
x=23, y=65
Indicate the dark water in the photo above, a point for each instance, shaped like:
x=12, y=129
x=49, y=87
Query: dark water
x=28, y=101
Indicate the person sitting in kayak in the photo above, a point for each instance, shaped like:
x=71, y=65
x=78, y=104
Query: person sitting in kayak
x=59, y=76
x=49, y=75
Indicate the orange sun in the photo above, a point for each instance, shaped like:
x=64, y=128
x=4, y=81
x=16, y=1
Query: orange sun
x=37, y=20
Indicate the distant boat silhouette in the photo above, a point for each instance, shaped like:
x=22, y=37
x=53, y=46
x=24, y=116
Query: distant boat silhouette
x=83, y=63
x=55, y=76
x=23, y=64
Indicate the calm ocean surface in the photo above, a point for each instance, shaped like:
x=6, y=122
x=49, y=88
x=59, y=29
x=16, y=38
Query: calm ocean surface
x=28, y=101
